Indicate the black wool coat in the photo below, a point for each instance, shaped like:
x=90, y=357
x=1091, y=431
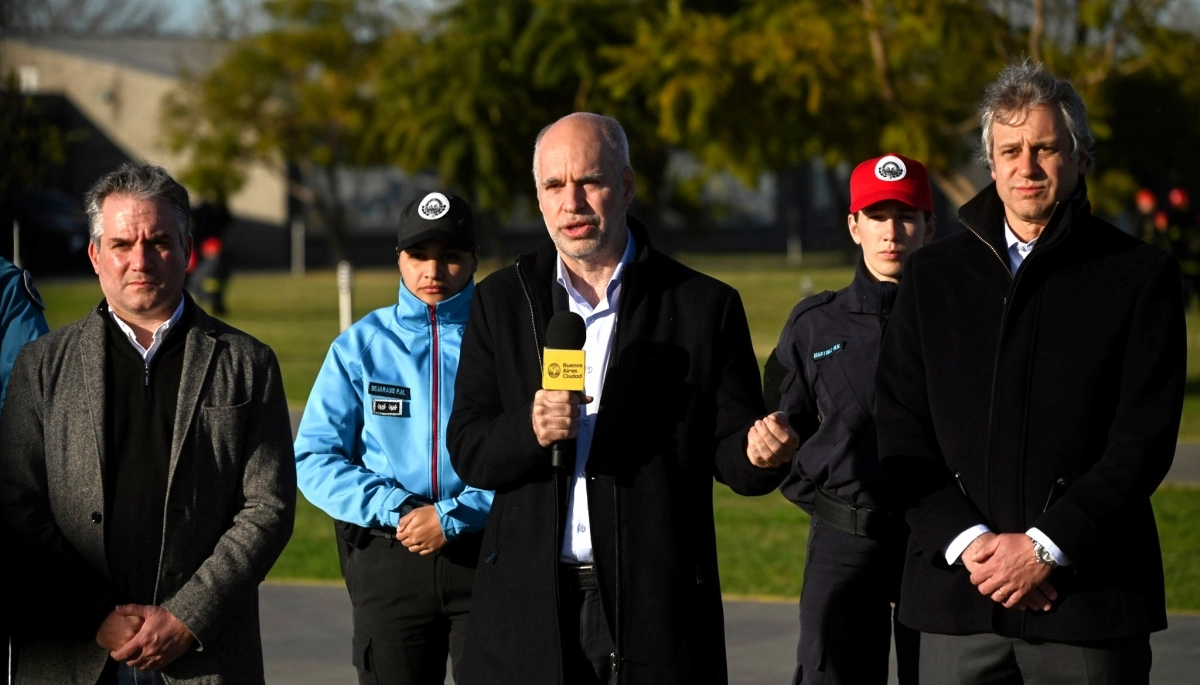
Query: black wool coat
x=1050, y=399
x=681, y=391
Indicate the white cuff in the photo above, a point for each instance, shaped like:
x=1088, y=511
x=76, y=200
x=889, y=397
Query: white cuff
x=959, y=544
x=1061, y=558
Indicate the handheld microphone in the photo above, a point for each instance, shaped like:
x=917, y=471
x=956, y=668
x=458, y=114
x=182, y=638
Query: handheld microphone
x=563, y=369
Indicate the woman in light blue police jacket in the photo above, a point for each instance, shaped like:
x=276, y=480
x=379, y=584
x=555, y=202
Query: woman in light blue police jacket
x=371, y=453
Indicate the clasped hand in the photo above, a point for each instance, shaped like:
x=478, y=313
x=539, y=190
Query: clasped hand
x=1003, y=567
x=420, y=531
x=145, y=637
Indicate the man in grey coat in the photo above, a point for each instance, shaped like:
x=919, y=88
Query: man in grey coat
x=147, y=473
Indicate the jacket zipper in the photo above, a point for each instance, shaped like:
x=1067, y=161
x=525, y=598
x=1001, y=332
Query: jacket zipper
x=1012, y=286
x=532, y=317
x=558, y=515
x=615, y=657
x=436, y=401
x=987, y=468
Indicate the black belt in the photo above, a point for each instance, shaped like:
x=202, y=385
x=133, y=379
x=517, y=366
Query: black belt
x=359, y=537
x=865, y=522
x=579, y=577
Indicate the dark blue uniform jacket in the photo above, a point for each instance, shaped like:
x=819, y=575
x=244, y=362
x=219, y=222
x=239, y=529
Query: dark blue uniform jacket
x=824, y=373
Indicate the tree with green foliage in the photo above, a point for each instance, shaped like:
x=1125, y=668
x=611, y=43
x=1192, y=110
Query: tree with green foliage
x=781, y=81
x=297, y=97
x=468, y=96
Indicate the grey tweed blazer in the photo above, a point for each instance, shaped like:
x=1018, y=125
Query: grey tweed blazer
x=231, y=497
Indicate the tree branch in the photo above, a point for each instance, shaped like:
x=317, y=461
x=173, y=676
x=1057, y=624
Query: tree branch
x=1036, y=31
x=878, y=51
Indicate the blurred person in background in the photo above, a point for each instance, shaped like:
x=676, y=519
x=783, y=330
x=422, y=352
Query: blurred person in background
x=211, y=264
x=371, y=452
x=147, y=482
x=822, y=376
x=1146, y=205
x=1029, y=393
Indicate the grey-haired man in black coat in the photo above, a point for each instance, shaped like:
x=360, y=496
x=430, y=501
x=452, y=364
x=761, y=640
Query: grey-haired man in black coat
x=605, y=571
x=1029, y=394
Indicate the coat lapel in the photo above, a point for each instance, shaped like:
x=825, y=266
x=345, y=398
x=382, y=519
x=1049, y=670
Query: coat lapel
x=198, y=355
x=93, y=357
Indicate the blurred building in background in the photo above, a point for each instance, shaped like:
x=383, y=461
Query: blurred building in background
x=104, y=95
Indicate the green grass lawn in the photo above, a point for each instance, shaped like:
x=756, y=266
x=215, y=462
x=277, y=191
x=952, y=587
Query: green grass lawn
x=761, y=543
x=761, y=540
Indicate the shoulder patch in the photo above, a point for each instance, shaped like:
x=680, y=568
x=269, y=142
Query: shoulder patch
x=31, y=290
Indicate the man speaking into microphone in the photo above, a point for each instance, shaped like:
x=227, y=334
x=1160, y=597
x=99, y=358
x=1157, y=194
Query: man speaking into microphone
x=604, y=570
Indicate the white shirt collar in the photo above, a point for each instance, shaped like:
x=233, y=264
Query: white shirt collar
x=614, y=281
x=160, y=333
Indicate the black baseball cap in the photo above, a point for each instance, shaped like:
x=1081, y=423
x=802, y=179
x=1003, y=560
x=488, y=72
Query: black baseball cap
x=437, y=216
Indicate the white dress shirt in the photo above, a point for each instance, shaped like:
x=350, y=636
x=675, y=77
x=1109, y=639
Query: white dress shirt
x=1017, y=252
x=600, y=321
x=160, y=333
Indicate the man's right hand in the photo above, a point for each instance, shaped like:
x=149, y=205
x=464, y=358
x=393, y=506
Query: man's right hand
x=117, y=629
x=1039, y=598
x=556, y=415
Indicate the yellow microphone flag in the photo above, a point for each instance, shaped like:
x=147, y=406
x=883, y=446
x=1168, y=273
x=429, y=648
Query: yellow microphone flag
x=563, y=370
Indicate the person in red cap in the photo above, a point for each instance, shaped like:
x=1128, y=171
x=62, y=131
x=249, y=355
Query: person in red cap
x=822, y=376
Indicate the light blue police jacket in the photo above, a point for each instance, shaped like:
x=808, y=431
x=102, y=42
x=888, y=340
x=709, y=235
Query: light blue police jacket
x=21, y=319
x=373, y=432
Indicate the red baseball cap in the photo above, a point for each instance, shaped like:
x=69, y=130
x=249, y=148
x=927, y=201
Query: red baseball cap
x=890, y=177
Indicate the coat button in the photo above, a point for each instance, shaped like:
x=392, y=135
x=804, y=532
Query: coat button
x=97, y=517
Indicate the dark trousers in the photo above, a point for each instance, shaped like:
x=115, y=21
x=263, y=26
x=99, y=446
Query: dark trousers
x=846, y=610
x=987, y=659
x=410, y=611
x=587, y=641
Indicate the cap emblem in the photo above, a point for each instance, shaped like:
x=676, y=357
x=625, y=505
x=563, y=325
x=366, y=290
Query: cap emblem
x=890, y=168
x=434, y=206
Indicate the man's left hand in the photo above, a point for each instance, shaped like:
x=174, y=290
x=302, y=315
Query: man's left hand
x=420, y=531
x=771, y=442
x=161, y=640
x=1008, y=572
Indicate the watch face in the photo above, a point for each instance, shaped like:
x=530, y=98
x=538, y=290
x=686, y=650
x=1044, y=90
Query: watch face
x=1043, y=554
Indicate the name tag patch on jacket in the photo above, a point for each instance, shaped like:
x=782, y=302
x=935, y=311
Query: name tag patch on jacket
x=398, y=392
x=818, y=356
x=390, y=408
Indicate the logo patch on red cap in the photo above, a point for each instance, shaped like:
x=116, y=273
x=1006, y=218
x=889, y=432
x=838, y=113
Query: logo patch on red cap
x=890, y=168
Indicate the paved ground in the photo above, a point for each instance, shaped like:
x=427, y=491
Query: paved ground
x=306, y=640
x=1186, y=467
x=306, y=629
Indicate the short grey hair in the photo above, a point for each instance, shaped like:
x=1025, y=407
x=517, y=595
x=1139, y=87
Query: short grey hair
x=610, y=131
x=144, y=182
x=1021, y=87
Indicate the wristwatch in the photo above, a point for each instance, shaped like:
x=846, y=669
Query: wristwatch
x=1043, y=555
